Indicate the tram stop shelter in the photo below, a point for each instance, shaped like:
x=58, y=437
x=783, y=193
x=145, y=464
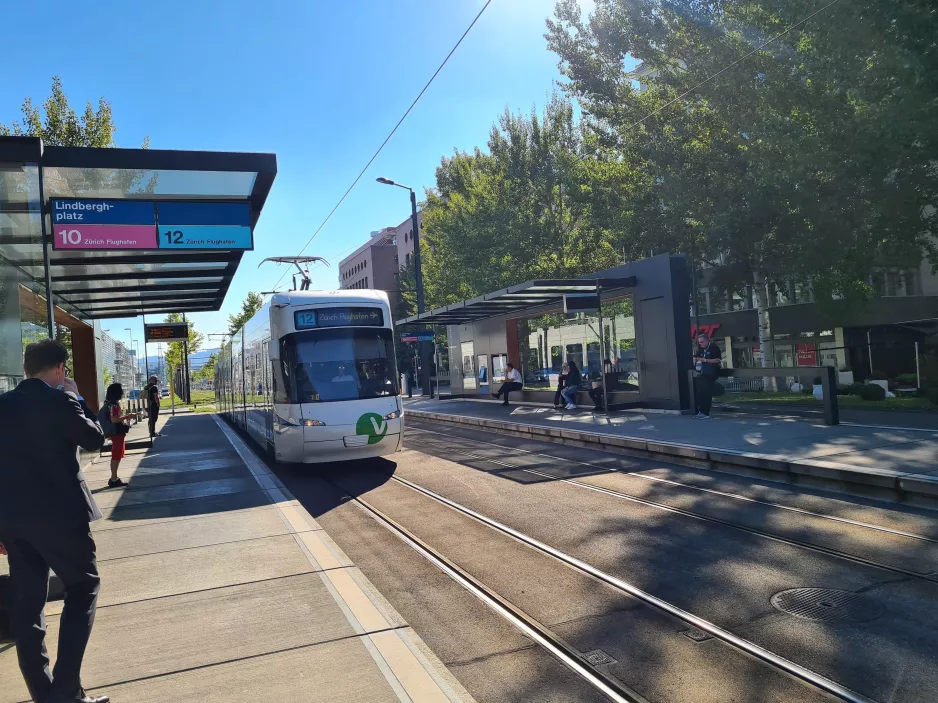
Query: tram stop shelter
x=636, y=344
x=91, y=233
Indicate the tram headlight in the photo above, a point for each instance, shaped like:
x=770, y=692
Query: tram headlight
x=393, y=415
x=313, y=423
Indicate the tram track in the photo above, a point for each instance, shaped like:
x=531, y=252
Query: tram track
x=568, y=655
x=717, y=521
x=701, y=489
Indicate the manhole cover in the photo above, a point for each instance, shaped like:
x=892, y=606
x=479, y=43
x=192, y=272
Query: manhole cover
x=826, y=604
x=598, y=657
x=698, y=635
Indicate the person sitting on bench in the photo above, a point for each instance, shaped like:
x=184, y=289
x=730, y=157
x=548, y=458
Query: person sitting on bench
x=512, y=383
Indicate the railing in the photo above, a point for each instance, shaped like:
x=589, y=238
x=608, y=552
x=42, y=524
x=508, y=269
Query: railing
x=828, y=376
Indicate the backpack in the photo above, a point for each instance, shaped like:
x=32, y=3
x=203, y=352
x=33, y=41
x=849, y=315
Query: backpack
x=104, y=419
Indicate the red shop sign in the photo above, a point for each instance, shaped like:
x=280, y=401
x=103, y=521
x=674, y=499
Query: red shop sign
x=708, y=330
x=807, y=355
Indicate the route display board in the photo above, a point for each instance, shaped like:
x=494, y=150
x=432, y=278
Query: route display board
x=165, y=331
x=132, y=224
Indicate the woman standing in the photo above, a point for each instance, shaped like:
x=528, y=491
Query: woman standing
x=112, y=404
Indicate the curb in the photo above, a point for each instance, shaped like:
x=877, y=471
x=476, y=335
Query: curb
x=883, y=483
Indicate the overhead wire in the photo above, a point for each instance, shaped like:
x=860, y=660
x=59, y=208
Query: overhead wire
x=391, y=134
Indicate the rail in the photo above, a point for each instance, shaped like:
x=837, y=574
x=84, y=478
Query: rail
x=828, y=376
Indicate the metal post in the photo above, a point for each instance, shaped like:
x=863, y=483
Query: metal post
x=602, y=348
x=869, y=350
x=829, y=389
x=918, y=375
x=425, y=351
x=46, y=262
x=185, y=377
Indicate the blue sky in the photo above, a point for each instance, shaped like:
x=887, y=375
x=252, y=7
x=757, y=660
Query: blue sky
x=318, y=83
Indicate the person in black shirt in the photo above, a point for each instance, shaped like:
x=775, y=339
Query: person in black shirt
x=153, y=404
x=707, y=360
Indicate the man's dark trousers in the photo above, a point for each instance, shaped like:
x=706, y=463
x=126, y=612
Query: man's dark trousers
x=34, y=547
x=152, y=414
x=704, y=393
x=507, y=388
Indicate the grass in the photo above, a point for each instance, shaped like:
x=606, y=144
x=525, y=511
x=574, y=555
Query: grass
x=845, y=401
x=199, y=397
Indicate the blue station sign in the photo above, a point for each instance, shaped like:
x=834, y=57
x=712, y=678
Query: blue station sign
x=137, y=224
x=205, y=226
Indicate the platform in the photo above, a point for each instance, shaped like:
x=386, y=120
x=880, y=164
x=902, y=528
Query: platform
x=895, y=462
x=217, y=586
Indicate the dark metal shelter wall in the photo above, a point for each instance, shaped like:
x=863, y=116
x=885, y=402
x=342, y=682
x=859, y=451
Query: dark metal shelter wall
x=660, y=287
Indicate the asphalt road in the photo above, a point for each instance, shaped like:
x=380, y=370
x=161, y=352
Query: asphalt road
x=716, y=546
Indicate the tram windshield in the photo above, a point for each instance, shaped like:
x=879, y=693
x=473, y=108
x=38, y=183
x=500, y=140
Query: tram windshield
x=349, y=363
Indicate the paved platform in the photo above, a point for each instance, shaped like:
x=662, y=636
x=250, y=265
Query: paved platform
x=899, y=462
x=217, y=586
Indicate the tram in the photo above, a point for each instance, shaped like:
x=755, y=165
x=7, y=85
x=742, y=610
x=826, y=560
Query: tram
x=312, y=377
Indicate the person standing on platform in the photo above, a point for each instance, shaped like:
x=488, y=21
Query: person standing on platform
x=707, y=360
x=45, y=515
x=512, y=383
x=117, y=424
x=153, y=405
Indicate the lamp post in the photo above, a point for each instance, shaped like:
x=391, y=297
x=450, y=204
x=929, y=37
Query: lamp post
x=425, y=386
x=136, y=368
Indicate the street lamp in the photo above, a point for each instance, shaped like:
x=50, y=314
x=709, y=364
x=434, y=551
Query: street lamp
x=418, y=275
x=418, y=272
x=136, y=368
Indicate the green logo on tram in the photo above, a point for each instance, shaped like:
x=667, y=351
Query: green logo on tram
x=372, y=425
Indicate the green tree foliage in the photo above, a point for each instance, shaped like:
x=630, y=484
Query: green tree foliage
x=519, y=211
x=175, y=352
x=57, y=123
x=207, y=372
x=249, y=308
x=811, y=160
x=62, y=126
x=108, y=377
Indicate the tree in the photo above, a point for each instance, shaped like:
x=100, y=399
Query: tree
x=523, y=210
x=812, y=161
x=175, y=352
x=57, y=124
x=108, y=377
x=207, y=372
x=249, y=308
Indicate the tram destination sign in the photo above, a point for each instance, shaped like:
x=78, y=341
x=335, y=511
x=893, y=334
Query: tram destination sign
x=338, y=317
x=110, y=225
x=166, y=331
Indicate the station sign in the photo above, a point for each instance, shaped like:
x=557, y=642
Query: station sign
x=581, y=302
x=132, y=224
x=414, y=337
x=166, y=331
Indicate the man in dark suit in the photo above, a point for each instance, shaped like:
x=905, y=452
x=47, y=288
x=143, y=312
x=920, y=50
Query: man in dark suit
x=45, y=514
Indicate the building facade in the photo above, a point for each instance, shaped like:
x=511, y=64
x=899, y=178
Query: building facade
x=373, y=265
x=889, y=336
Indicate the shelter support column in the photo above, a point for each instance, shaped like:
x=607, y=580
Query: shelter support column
x=83, y=357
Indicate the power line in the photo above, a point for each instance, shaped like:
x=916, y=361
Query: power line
x=735, y=63
x=388, y=138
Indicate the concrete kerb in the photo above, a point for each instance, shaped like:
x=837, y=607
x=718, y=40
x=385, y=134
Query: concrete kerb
x=891, y=485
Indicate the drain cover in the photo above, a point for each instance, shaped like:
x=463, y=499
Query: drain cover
x=696, y=634
x=826, y=604
x=598, y=657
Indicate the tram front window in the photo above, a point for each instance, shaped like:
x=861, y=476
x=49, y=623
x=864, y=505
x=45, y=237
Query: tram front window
x=347, y=363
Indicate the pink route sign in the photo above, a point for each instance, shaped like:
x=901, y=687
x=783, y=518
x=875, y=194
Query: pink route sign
x=81, y=236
